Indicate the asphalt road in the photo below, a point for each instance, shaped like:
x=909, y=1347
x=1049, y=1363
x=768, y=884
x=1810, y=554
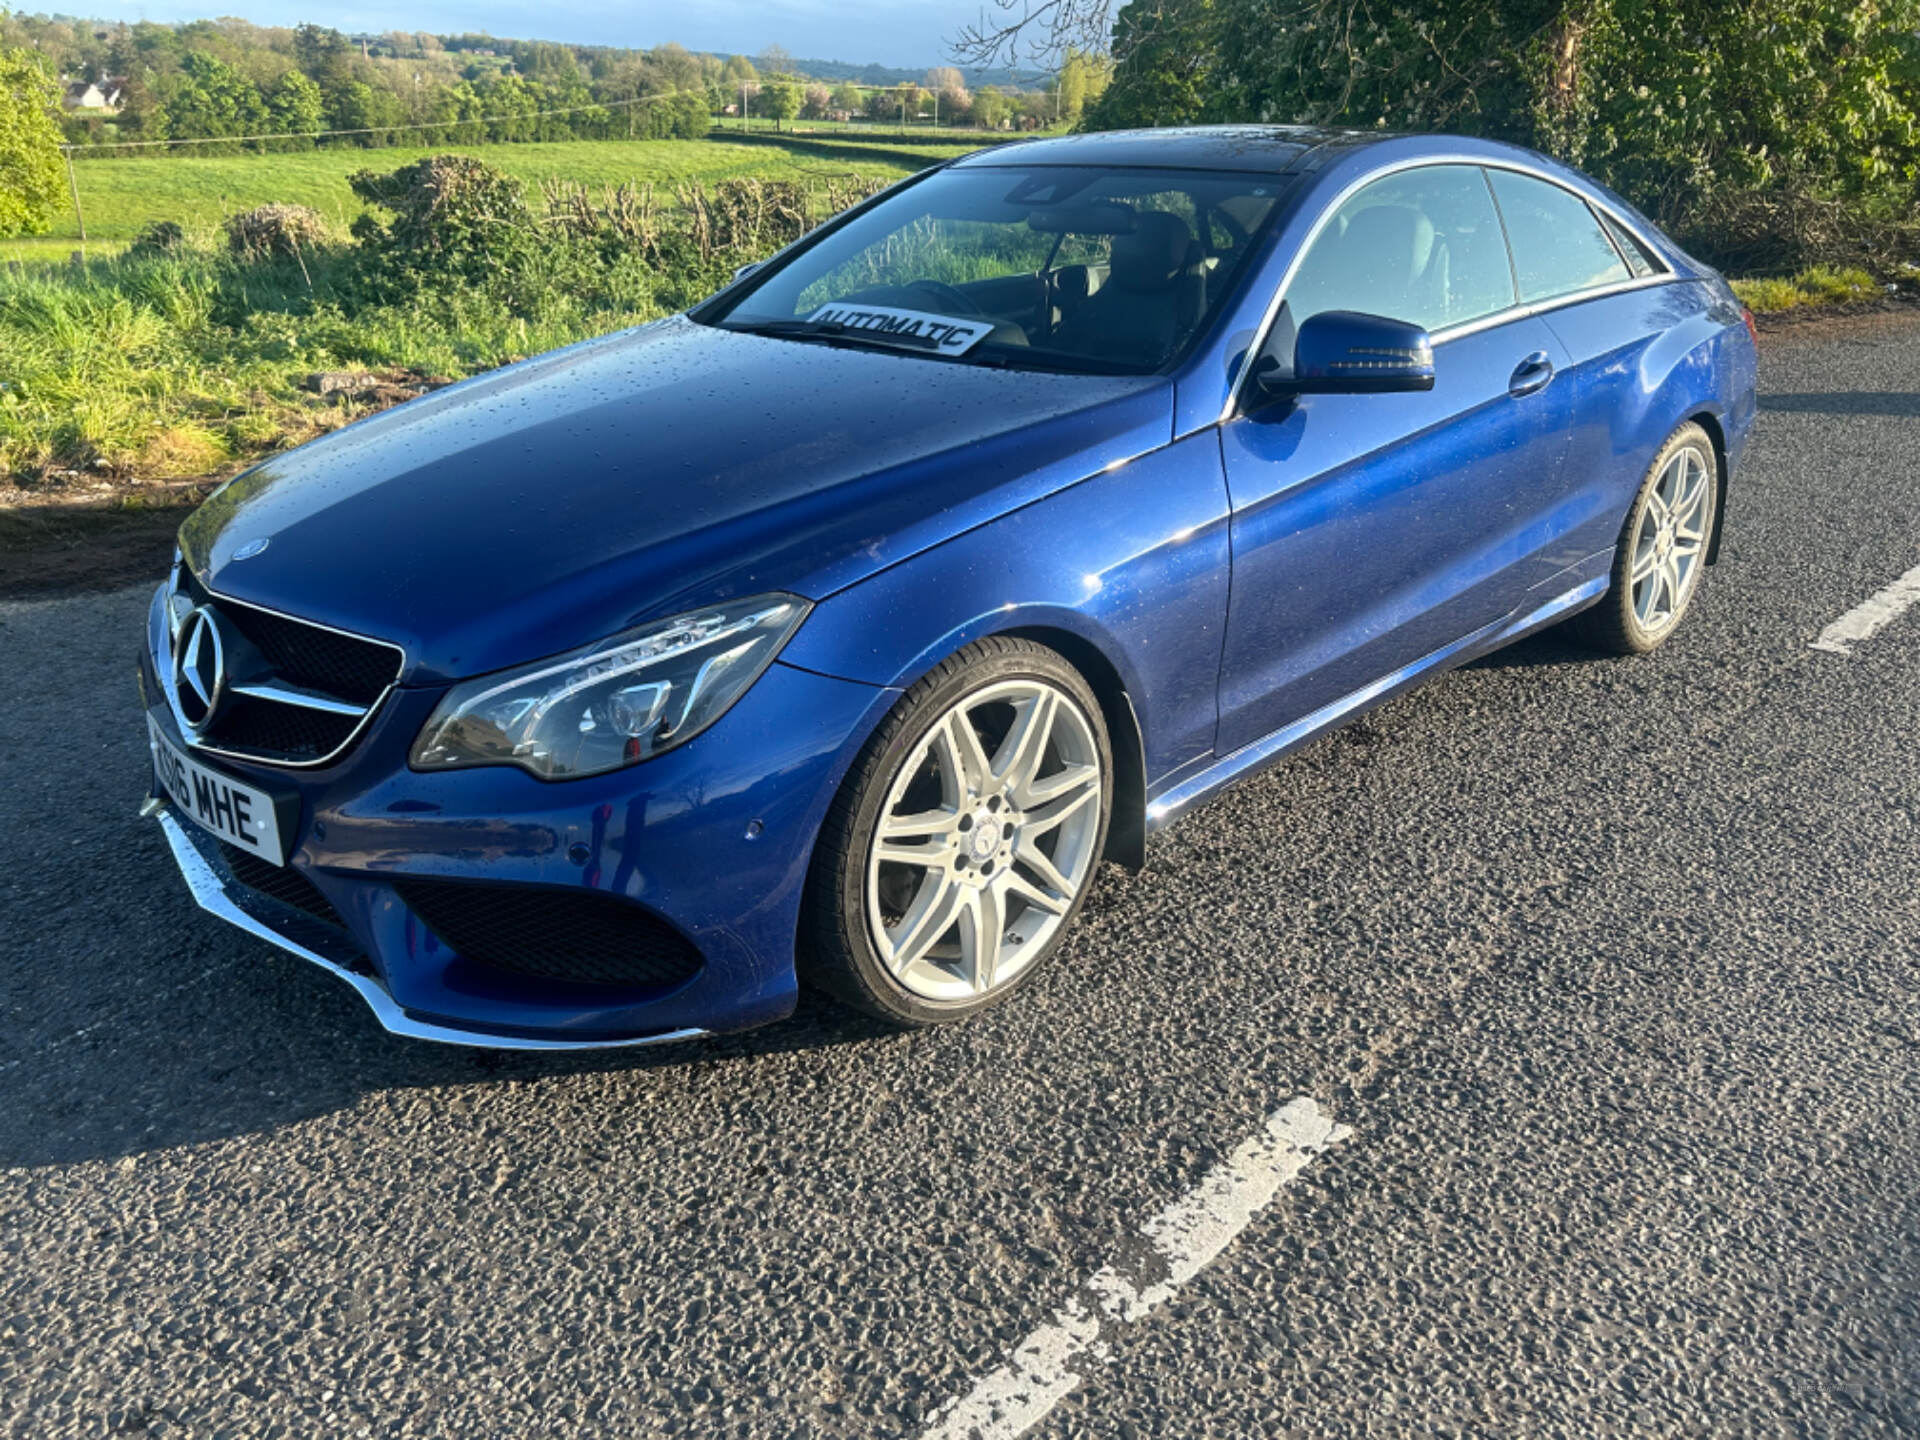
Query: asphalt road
x=1608, y=965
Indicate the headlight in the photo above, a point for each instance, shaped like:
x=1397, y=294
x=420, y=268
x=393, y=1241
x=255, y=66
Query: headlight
x=615, y=703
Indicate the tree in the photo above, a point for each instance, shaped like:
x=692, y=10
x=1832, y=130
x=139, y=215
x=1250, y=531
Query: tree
x=210, y=98
x=1165, y=74
x=780, y=99
x=774, y=60
x=816, y=101
x=1083, y=77
x=848, y=96
x=30, y=173
x=295, y=106
x=992, y=109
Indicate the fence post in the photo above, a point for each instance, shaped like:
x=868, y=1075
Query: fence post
x=73, y=188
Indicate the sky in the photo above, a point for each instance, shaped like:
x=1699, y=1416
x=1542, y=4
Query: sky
x=886, y=32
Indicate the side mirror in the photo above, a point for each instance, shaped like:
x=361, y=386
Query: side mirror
x=1342, y=352
x=741, y=272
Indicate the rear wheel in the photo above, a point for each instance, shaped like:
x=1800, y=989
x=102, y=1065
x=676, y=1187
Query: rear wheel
x=964, y=840
x=1661, y=551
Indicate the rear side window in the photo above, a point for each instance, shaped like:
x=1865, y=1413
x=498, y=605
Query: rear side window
x=1559, y=245
x=1640, y=260
x=1423, y=246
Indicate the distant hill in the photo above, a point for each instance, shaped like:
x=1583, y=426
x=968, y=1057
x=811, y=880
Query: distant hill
x=899, y=75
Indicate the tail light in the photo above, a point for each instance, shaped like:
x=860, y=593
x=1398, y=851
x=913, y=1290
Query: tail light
x=1753, y=331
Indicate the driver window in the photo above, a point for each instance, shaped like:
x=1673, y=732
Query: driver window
x=1422, y=246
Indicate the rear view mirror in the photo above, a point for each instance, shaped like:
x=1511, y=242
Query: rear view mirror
x=1342, y=352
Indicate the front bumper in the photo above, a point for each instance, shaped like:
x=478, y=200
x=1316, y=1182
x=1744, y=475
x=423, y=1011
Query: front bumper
x=714, y=838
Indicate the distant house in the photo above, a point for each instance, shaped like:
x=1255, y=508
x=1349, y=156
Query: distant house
x=106, y=93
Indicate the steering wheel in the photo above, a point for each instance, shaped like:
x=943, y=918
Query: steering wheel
x=954, y=301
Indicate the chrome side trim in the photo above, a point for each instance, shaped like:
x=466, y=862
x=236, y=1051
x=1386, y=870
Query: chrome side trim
x=210, y=893
x=1264, y=751
x=1466, y=327
x=305, y=699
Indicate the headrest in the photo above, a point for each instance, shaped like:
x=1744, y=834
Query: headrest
x=1396, y=237
x=1152, y=255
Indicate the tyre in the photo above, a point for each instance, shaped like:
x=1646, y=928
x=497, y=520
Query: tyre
x=1661, y=551
x=964, y=839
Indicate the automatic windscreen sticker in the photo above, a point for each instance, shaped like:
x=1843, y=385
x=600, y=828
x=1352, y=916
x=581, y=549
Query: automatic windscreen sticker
x=916, y=328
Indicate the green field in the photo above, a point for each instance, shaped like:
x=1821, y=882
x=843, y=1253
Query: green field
x=118, y=196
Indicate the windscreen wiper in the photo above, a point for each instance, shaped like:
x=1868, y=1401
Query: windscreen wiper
x=835, y=331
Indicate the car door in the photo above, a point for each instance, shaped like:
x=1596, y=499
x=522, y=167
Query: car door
x=1599, y=290
x=1370, y=531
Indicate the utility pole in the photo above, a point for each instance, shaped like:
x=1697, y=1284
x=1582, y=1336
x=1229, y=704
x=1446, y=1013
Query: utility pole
x=743, y=106
x=73, y=187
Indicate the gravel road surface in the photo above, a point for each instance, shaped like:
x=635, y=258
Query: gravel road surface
x=1608, y=967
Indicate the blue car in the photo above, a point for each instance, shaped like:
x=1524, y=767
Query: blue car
x=839, y=628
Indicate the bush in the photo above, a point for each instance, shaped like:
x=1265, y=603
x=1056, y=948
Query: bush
x=270, y=230
x=157, y=237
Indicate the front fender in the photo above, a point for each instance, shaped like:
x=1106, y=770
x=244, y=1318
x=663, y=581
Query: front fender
x=1132, y=562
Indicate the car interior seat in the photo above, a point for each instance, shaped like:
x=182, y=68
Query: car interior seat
x=1390, y=255
x=1155, y=293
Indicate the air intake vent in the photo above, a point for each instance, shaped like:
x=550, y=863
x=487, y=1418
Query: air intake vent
x=279, y=882
x=583, y=936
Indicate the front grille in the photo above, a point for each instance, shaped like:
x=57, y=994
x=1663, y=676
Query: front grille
x=583, y=936
x=279, y=882
x=296, y=656
x=345, y=666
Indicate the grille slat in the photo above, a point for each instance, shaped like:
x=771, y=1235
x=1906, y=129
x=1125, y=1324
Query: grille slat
x=307, y=656
x=583, y=936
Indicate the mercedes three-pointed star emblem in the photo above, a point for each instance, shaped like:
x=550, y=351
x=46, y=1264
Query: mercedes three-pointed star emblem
x=199, y=669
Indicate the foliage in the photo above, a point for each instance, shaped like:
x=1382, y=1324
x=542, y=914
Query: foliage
x=200, y=191
x=265, y=230
x=30, y=170
x=452, y=217
x=1670, y=101
x=779, y=100
x=184, y=358
x=1817, y=285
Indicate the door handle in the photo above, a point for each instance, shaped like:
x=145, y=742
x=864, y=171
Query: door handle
x=1530, y=374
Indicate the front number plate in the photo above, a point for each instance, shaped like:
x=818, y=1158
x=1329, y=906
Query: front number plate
x=238, y=814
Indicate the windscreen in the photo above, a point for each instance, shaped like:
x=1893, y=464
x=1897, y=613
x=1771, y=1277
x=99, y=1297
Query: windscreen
x=1045, y=267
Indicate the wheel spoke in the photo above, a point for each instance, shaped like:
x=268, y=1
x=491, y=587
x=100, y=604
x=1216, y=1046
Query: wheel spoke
x=934, y=910
x=1029, y=854
x=1670, y=574
x=1018, y=760
x=894, y=853
x=1644, y=564
x=1041, y=819
x=1052, y=787
x=1018, y=884
x=983, y=925
x=1647, y=601
x=918, y=827
x=961, y=755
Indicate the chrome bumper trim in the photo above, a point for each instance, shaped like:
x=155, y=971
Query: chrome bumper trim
x=210, y=892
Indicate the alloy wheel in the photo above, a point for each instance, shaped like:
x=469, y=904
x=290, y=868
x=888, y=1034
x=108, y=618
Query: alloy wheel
x=985, y=841
x=1670, y=540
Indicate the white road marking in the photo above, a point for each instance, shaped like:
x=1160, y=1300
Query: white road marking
x=1870, y=614
x=1179, y=1243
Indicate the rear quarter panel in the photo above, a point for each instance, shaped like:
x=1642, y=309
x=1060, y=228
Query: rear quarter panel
x=1643, y=362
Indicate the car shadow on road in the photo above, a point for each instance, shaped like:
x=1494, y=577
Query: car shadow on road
x=1899, y=404
x=260, y=1041
x=1548, y=649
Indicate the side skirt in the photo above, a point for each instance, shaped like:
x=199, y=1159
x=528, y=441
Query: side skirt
x=1253, y=758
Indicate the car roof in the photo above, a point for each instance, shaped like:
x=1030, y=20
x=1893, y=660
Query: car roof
x=1275, y=149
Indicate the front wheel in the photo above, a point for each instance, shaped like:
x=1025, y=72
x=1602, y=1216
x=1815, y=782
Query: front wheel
x=1661, y=551
x=964, y=840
